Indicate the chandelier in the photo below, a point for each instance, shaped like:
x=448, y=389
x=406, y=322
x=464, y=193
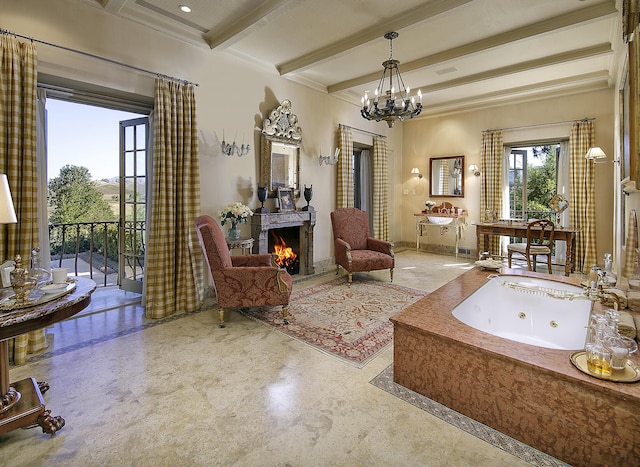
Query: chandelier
x=397, y=103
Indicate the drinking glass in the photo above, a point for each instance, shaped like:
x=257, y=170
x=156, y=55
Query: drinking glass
x=619, y=352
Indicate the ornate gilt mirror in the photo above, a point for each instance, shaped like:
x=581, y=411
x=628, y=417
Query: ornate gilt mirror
x=280, y=159
x=446, y=177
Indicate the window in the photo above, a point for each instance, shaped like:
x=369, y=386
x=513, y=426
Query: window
x=532, y=180
x=363, y=180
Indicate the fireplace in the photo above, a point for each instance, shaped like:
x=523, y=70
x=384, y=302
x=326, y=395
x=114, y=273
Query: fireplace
x=285, y=245
x=297, y=227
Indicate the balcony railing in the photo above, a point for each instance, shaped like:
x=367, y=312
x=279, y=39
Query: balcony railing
x=88, y=248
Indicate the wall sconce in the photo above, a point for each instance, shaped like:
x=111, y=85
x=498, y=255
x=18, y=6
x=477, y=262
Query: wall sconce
x=327, y=159
x=595, y=154
x=416, y=173
x=473, y=168
x=233, y=148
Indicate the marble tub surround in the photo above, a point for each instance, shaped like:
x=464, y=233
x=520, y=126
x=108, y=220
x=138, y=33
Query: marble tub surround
x=530, y=393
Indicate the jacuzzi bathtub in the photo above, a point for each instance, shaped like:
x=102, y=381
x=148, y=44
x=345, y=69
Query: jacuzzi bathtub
x=533, y=394
x=521, y=311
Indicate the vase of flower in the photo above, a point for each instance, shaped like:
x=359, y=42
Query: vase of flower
x=234, y=231
x=234, y=214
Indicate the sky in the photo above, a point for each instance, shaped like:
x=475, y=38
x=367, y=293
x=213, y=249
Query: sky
x=83, y=135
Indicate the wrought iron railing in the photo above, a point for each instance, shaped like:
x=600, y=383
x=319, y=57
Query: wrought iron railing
x=526, y=215
x=87, y=248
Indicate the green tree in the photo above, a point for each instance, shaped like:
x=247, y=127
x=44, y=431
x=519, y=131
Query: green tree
x=73, y=197
x=541, y=179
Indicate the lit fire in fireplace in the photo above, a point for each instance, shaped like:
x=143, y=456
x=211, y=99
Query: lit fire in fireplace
x=285, y=256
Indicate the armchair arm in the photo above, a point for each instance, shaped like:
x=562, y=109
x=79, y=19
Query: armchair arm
x=343, y=252
x=252, y=260
x=380, y=245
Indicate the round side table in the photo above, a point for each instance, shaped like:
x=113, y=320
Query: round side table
x=242, y=243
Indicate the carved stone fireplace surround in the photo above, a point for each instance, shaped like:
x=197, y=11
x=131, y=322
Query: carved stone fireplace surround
x=305, y=220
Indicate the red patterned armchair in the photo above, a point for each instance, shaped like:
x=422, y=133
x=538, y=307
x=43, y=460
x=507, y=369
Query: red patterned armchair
x=242, y=281
x=355, y=250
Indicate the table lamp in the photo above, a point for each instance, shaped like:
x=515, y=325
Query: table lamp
x=7, y=212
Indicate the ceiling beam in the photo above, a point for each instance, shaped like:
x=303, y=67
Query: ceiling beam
x=406, y=19
x=548, y=89
x=113, y=6
x=579, y=54
x=574, y=18
x=221, y=39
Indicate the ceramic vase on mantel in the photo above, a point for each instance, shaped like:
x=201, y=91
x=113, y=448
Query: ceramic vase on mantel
x=234, y=231
x=308, y=194
x=262, y=197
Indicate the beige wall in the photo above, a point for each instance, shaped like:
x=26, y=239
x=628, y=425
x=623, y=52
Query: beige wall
x=234, y=96
x=461, y=134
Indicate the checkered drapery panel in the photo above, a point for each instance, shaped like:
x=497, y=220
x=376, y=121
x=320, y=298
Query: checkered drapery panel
x=582, y=186
x=18, y=88
x=491, y=157
x=344, y=183
x=380, y=189
x=175, y=267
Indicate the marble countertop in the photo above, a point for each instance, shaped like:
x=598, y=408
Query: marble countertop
x=48, y=312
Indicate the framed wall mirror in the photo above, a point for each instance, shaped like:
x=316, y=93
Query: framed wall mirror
x=446, y=177
x=280, y=158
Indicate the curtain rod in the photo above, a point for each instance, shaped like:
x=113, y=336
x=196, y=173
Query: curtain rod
x=586, y=119
x=87, y=54
x=362, y=131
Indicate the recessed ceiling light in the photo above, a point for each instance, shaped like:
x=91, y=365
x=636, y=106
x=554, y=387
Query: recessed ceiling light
x=185, y=8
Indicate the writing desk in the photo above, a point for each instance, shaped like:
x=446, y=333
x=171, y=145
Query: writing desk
x=21, y=403
x=483, y=231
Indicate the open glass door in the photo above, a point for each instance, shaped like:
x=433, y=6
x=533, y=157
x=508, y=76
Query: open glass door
x=134, y=136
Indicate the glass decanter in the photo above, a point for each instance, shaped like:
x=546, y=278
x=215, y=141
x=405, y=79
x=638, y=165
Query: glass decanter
x=37, y=273
x=21, y=283
x=598, y=355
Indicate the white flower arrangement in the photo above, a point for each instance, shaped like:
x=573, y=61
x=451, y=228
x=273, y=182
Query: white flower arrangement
x=235, y=213
x=430, y=204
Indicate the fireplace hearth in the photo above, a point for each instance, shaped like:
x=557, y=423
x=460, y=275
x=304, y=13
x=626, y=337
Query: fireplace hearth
x=298, y=228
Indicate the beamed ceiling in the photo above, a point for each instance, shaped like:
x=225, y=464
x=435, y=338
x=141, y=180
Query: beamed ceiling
x=460, y=53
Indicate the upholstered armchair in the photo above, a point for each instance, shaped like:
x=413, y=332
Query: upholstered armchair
x=243, y=280
x=355, y=250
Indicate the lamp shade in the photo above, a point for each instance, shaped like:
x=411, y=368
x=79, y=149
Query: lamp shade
x=415, y=171
x=7, y=211
x=595, y=153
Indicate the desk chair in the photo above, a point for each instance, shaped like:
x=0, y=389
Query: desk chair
x=539, y=242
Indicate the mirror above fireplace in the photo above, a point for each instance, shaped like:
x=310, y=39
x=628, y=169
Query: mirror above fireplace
x=280, y=155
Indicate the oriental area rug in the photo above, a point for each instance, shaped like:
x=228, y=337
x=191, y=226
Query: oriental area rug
x=347, y=322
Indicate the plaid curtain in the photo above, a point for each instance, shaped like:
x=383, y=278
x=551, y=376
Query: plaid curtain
x=344, y=184
x=491, y=157
x=582, y=188
x=174, y=258
x=18, y=90
x=631, y=245
x=380, y=190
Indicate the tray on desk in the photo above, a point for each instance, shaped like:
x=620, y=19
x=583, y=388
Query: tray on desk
x=36, y=297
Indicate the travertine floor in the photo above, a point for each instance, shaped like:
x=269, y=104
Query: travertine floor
x=185, y=392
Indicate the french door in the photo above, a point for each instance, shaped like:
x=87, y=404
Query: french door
x=134, y=138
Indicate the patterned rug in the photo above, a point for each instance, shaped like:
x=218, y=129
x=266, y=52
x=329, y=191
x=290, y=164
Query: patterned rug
x=348, y=322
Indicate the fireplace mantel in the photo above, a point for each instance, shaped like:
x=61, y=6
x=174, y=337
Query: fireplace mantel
x=306, y=220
